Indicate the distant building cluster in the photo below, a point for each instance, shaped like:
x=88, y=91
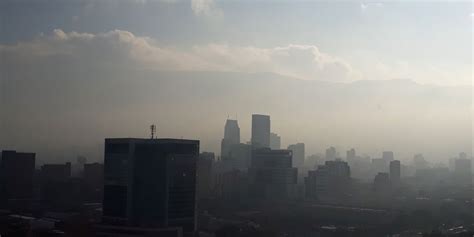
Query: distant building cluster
x=165, y=187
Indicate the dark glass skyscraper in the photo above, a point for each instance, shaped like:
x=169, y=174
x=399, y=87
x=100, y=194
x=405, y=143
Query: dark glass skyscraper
x=271, y=174
x=260, y=130
x=150, y=182
x=16, y=175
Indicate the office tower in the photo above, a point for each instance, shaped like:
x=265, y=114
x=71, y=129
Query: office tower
x=271, y=174
x=382, y=183
x=150, y=182
x=298, y=154
x=419, y=162
x=331, y=153
x=387, y=156
x=239, y=157
x=204, y=174
x=231, y=184
x=231, y=136
x=93, y=181
x=16, y=175
x=275, y=141
x=55, y=172
x=260, y=131
x=379, y=165
x=328, y=181
x=462, y=170
x=78, y=167
x=351, y=155
x=395, y=171
x=313, y=161
x=58, y=190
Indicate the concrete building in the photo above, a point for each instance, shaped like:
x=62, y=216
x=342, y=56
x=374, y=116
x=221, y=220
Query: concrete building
x=275, y=141
x=382, y=183
x=239, y=157
x=395, y=171
x=462, y=170
x=351, y=155
x=205, y=174
x=331, y=153
x=329, y=181
x=93, y=181
x=298, y=151
x=388, y=156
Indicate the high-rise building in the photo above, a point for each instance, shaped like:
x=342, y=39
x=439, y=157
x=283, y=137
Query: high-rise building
x=387, y=156
x=93, y=181
x=205, y=174
x=58, y=190
x=271, y=174
x=55, y=172
x=275, y=141
x=382, y=183
x=379, y=165
x=150, y=182
x=419, y=162
x=239, y=156
x=330, y=180
x=298, y=154
x=16, y=175
x=462, y=170
x=395, y=171
x=331, y=153
x=231, y=136
x=351, y=155
x=260, y=130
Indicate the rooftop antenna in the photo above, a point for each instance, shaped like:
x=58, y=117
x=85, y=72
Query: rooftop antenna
x=152, y=130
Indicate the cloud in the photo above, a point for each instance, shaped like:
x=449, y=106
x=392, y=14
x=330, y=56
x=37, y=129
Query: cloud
x=366, y=5
x=122, y=49
x=205, y=8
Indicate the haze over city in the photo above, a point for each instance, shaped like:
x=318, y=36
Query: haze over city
x=214, y=118
x=374, y=75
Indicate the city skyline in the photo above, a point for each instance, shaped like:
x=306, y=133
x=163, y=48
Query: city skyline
x=218, y=118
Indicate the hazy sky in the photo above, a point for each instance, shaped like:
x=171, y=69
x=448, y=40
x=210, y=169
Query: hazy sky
x=427, y=41
x=58, y=59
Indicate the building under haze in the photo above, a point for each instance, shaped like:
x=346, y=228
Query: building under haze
x=239, y=157
x=271, y=174
x=329, y=181
x=231, y=136
x=93, y=181
x=395, y=171
x=150, y=182
x=351, y=155
x=298, y=151
x=16, y=175
x=260, y=130
x=382, y=184
x=462, y=170
x=275, y=141
x=331, y=153
x=388, y=156
x=204, y=174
